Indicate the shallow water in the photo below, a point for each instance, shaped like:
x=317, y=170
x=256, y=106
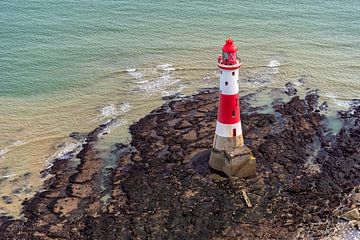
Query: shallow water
x=68, y=65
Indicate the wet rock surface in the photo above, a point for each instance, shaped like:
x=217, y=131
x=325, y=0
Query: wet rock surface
x=290, y=89
x=162, y=187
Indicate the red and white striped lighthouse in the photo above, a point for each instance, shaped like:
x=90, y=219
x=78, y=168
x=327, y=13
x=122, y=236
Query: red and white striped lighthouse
x=229, y=154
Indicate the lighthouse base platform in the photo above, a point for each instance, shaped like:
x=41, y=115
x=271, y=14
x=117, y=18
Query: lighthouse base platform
x=234, y=160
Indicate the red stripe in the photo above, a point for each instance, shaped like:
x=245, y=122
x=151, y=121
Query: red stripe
x=229, y=109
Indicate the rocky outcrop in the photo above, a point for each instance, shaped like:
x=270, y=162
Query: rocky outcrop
x=162, y=187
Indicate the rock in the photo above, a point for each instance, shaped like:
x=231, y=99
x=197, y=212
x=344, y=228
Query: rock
x=351, y=215
x=172, y=96
x=7, y=199
x=324, y=106
x=190, y=136
x=312, y=100
x=302, y=79
x=355, y=224
x=290, y=89
x=356, y=199
x=77, y=136
x=217, y=177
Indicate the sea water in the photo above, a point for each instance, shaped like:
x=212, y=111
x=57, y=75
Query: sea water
x=70, y=65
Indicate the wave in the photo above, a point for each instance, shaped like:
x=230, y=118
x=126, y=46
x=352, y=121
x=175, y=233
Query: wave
x=114, y=110
x=273, y=64
x=157, y=85
x=8, y=176
x=68, y=149
x=138, y=73
x=13, y=144
x=135, y=74
x=344, y=103
x=140, y=82
x=125, y=107
x=3, y=152
x=72, y=146
x=165, y=66
x=173, y=92
x=170, y=69
x=108, y=111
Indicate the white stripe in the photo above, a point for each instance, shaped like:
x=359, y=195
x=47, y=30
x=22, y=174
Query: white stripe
x=228, y=83
x=226, y=130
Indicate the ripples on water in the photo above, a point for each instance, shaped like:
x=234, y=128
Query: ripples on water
x=65, y=69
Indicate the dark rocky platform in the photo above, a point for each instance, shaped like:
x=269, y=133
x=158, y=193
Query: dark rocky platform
x=162, y=187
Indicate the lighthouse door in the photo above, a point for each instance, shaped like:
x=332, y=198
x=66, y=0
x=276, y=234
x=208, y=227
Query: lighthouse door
x=234, y=132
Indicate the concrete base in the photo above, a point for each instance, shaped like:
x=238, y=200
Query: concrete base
x=233, y=158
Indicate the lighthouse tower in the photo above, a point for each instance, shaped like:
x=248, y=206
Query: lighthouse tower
x=229, y=154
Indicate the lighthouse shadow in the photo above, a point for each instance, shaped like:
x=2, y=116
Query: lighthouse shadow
x=200, y=164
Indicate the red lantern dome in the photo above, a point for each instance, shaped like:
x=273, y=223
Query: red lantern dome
x=229, y=46
x=229, y=58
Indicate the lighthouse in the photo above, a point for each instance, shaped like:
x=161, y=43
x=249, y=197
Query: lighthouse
x=229, y=154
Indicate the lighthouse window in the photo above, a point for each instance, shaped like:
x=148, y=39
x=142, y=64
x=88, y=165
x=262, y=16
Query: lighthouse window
x=233, y=113
x=226, y=83
x=225, y=55
x=233, y=73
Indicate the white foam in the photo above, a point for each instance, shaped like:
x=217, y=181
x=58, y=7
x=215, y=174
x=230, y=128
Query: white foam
x=167, y=93
x=19, y=143
x=8, y=176
x=71, y=148
x=339, y=102
x=3, y=152
x=298, y=84
x=131, y=70
x=155, y=84
x=331, y=95
x=144, y=81
x=125, y=107
x=158, y=85
x=112, y=110
x=135, y=74
x=67, y=149
x=342, y=103
x=13, y=144
x=109, y=111
x=273, y=64
x=165, y=66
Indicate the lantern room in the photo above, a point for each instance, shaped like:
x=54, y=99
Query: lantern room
x=229, y=54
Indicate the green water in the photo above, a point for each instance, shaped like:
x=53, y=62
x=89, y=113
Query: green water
x=63, y=64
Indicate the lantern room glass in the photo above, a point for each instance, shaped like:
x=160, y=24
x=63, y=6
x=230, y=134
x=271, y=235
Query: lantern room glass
x=229, y=58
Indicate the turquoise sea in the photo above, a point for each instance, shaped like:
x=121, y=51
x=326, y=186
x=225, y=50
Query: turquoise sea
x=70, y=65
